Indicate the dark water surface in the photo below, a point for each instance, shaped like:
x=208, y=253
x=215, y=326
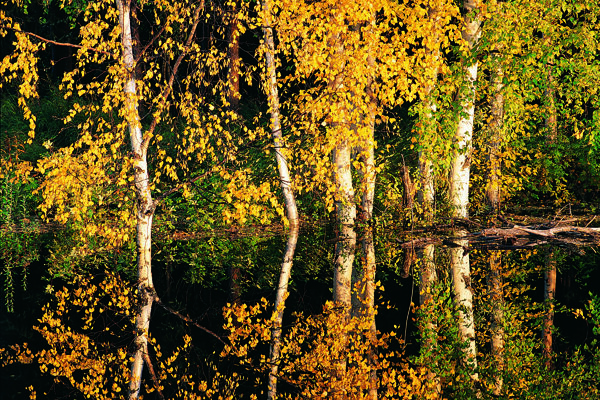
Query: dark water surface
x=197, y=277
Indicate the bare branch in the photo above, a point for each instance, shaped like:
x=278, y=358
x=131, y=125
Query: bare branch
x=55, y=42
x=188, y=320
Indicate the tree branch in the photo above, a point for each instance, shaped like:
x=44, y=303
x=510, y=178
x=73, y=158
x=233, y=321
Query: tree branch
x=55, y=42
x=169, y=86
x=153, y=374
x=188, y=320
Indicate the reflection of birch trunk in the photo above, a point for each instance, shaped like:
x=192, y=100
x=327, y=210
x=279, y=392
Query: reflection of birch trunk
x=463, y=299
x=288, y=196
x=549, y=291
x=429, y=325
x=346, y=215
x=367, y=292
x=496, y=292
x=284, y=277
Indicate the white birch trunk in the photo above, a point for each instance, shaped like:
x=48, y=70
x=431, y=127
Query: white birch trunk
x=367, y=292
x=145, y=206
x=459, y=188
x=463, y=299
x=346, y=215
x=288, y=196
x=461, y=164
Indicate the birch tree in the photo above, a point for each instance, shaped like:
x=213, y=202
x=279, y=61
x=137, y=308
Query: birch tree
x=101, y=186
x=285, y=181
x=459, y=183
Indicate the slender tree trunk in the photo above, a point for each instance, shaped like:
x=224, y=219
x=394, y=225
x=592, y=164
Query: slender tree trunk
x=367, y=292
x=461, y=163
x=493, y=194
x=549, y=291
x=550, y=272
x=426, y=188
x=459, y=188
x=145, y=207
x=493, y=197
x=463, y=299
x=551, y=122
x=428, y=279
x=145, y=204
x=346, y=215
x=233, y=53
x=288, y=196
x=426, y=202
x=496, y=292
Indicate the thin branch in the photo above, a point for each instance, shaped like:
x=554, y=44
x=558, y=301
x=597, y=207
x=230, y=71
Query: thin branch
x=143, y=51
x=159, y=199
x=55, y=42
x=169, y=86
x=153, y=374
x=188, y=320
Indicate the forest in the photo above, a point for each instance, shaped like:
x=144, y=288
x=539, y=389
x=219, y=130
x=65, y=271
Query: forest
x=300, y=199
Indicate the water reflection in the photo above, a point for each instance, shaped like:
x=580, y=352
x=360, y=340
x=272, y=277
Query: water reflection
x=524, y=334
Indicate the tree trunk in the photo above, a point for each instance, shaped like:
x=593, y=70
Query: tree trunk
x=459, y=188
x=145, y=207
x=425, y=187
x=233, y=55
x=493, y=188
x=367, y=292
x=461, y=163
x=288, y=196
x=428, y=279
x=549, y=291
x=496, y=294
x=346, y=215
x=463, y=299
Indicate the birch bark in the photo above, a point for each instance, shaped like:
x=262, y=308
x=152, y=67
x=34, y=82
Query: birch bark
x=145, y=205
x=368, y=176
x=288, y=196
x=461, y=164
x=459, y=187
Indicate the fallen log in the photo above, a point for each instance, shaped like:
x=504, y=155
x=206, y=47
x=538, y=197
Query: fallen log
x=516, y=237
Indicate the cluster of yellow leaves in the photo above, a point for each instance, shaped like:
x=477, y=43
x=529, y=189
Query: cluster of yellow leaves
x=21, y=65
x=87, y=327
x=248, y=200
x=312, y=350
x=94, y=367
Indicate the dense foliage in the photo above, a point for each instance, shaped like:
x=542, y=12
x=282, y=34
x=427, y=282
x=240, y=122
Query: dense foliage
x=138, y=130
